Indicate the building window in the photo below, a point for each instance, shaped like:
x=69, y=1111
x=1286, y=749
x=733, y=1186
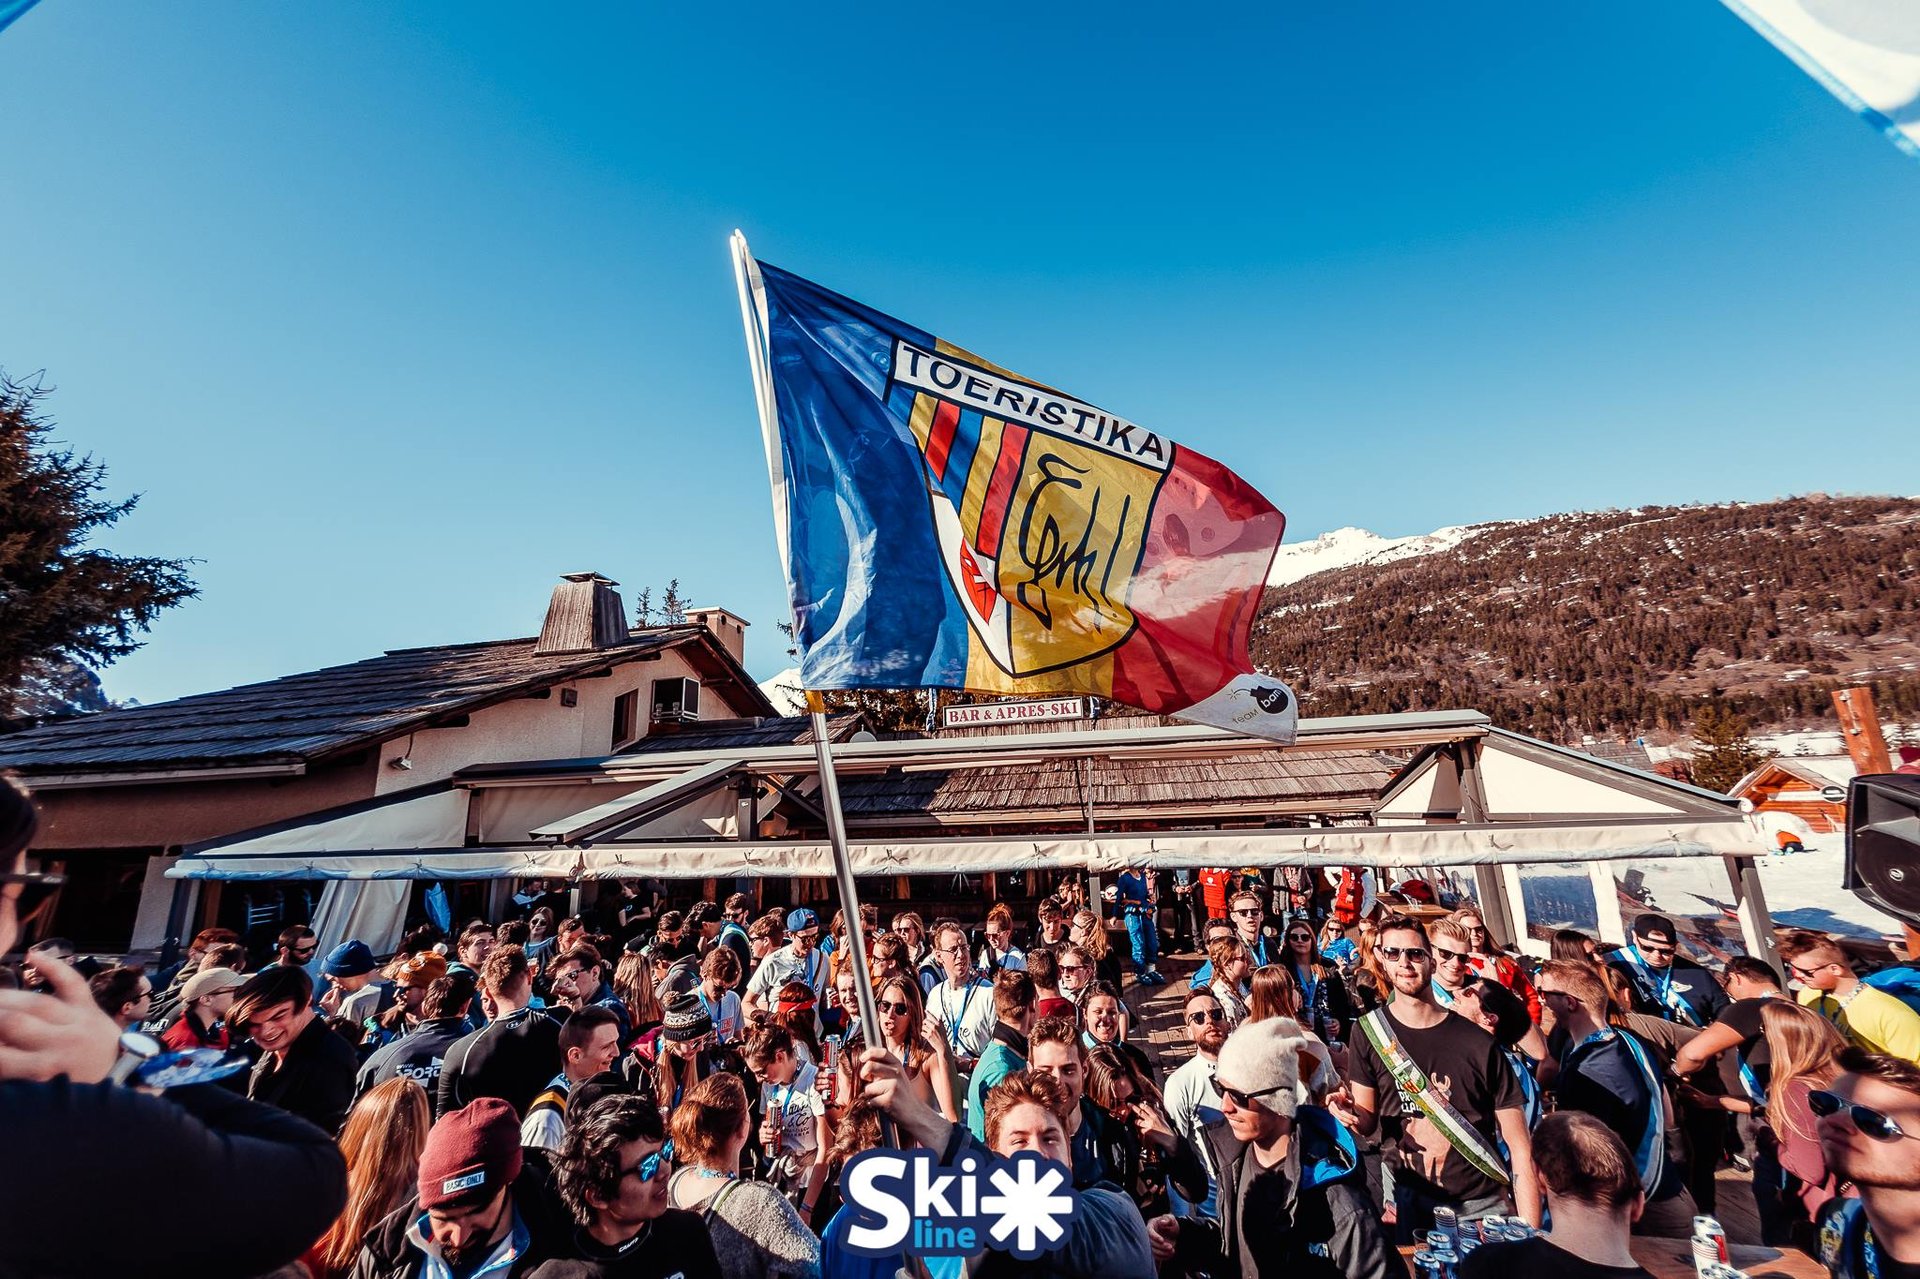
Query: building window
x=626, y=718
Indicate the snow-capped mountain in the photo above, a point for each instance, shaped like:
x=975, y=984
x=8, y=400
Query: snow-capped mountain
x=1346, y=547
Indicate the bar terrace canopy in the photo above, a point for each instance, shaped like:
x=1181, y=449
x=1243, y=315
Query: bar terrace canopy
x=1471, y=795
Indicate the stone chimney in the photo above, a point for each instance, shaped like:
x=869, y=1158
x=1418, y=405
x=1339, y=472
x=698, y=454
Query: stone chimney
x=728, y=628
x=585, y=613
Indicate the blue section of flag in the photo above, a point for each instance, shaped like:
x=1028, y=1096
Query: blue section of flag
x=11, y=9
x=873, y=608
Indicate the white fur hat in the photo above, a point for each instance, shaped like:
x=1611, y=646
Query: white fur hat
x=1268, y=1054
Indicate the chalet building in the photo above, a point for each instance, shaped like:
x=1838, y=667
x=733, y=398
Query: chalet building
x=124, y=791
x=1799, y=798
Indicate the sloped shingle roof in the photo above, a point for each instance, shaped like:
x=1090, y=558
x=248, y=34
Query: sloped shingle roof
x=306, y=717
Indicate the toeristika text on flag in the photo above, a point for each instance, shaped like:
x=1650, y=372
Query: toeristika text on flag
x=952, y=524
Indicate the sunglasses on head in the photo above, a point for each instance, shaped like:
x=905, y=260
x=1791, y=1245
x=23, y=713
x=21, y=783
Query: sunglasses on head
x=1246, y=1099
x=1400, y=952
x=36, y=886
x=1868, y=1120
x=649, y=1168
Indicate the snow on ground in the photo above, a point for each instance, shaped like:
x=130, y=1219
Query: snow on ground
x=1802, y=890
x=1348, y=546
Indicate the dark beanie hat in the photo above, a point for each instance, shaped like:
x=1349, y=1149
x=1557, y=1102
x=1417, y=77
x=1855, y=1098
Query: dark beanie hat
x=471, y=1154
x=686, y=1018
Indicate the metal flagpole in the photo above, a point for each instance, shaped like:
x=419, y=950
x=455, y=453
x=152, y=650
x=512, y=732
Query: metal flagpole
x=843, y=871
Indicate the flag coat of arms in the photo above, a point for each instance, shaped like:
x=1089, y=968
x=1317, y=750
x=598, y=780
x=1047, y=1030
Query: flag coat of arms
x=947, y=523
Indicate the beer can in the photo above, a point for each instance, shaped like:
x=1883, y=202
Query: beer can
x=1423, y=1265
x=1706, y=1256
x=1447, y=1222
x=1438, y=1239
x=1709, y=1228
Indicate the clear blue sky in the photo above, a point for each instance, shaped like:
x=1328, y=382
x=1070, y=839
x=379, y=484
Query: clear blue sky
x=394, y=312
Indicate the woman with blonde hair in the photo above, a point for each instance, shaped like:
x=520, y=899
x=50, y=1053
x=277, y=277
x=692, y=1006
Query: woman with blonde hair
x=1803, y=1047
x=384, y=1134
x=756, y=1232
x=1274, y=993
x=1232, y=961
x=1088, y=933
x=633, y=983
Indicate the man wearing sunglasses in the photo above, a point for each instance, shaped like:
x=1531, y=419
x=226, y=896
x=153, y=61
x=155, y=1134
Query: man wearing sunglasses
x=1869, y=1127
x=477, y=1208
x=1663, y=984
x=1290, y=1199
x=1447, y=1093
x=1192, y=1100
x=1249, y=919
x=612, y=1173
x=1869, y=1018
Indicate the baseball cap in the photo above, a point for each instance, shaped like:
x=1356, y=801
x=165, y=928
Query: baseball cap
x=210, y=981
x=471, y=1154
x=801, y=918
x=349, y=959
x=1654, y=928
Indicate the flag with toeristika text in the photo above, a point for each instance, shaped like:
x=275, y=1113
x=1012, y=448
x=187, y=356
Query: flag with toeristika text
x=949, y=524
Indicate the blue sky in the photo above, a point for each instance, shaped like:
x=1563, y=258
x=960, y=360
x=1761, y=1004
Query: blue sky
x=395, y=312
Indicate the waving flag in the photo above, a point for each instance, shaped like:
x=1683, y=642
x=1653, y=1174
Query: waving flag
x=946, y=523
x=1866, y=52
x=12, y=9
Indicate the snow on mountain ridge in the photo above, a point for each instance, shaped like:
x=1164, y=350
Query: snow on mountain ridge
x=1346, y=547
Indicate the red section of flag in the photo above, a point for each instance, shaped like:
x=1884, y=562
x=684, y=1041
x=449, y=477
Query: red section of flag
x=940, y=438
x=1209, y=545
x=979, y=589
x=1006, y=468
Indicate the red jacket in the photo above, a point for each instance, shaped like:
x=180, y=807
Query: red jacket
x=183, y=1035
x=1509, y=974
x=1214, y=886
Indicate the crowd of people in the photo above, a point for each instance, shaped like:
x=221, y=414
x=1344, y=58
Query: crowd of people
x=671, y=1089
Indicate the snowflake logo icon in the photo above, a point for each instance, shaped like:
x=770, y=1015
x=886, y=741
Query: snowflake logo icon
x=1031, y=1202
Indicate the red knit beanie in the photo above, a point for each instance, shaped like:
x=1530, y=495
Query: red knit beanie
x=471, y=1154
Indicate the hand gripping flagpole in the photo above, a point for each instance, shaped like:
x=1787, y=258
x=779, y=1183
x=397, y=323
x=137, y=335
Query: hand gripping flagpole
x=753, y=315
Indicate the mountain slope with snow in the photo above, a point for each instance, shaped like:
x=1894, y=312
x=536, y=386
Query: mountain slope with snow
x=1347, y=547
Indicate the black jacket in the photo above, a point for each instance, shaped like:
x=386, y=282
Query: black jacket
x=275, y=1181
x=388, y=1254
x=419, y=1055
x=1332, y=1229
x=314, y=1081
x=512, y=1059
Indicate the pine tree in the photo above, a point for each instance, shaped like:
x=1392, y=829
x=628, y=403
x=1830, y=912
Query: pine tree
x=1724, y=752
x=673, y=605
x=61, y=600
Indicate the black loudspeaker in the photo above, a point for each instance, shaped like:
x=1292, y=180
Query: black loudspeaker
x=1883, y=843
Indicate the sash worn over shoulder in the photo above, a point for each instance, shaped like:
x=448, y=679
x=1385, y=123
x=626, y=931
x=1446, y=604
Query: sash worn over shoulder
x=1460, y=1134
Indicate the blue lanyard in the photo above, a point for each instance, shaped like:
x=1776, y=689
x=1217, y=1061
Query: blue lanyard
x=953, y=1031
x=1309, y=985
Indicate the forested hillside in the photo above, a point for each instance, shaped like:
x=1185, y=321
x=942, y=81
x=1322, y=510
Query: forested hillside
x=1620, y=621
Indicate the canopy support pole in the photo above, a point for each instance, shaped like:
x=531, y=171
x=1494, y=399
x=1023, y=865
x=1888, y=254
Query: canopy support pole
x=1750, y=903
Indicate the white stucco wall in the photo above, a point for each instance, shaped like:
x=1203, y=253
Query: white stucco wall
x=539, y=728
